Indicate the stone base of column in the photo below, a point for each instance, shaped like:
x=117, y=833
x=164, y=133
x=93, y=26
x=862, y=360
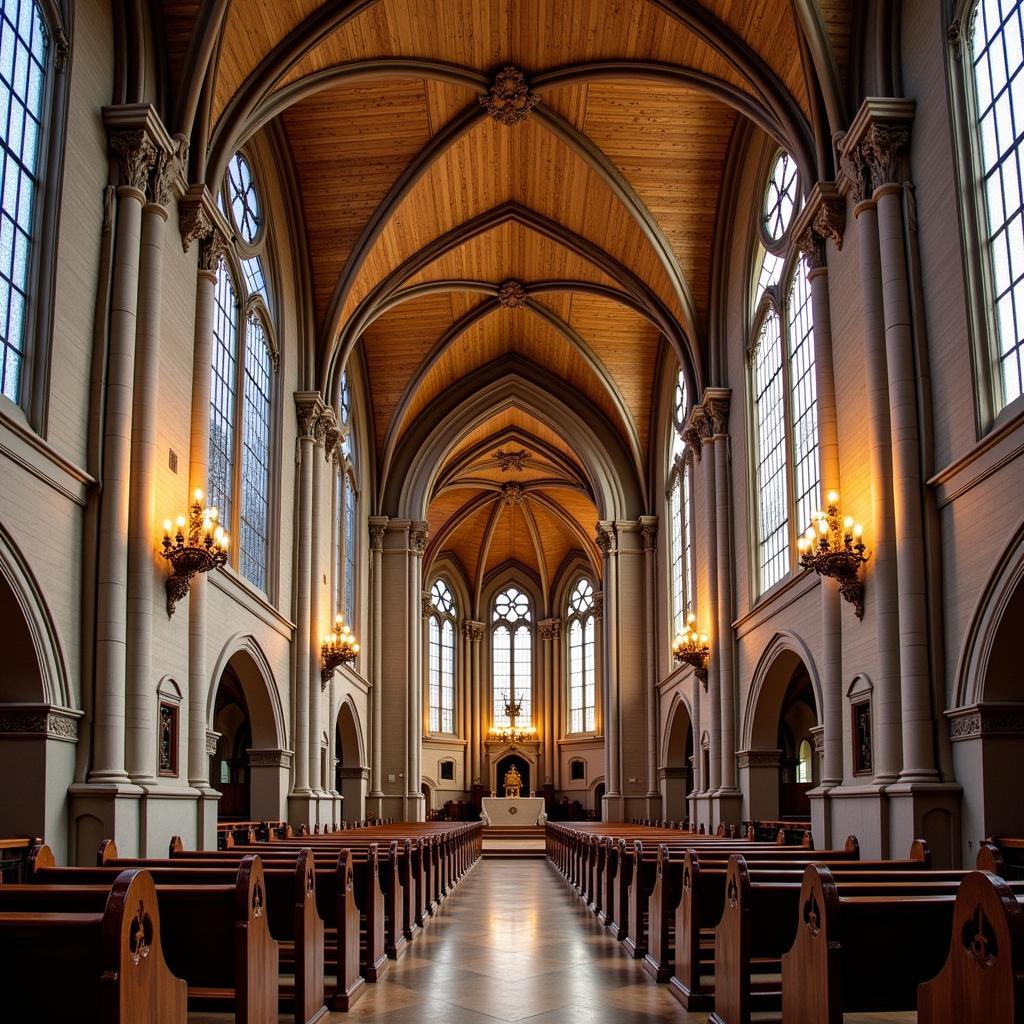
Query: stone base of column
x=821, y=816
x=164, y=812
x=928, y=811
x=414, y=807
x=611, y=807
x=101, y=811
x=701, y=811
x=302, y=808
x=727, y=807
x=391, y=807
x=206, y=818
x=652, y=806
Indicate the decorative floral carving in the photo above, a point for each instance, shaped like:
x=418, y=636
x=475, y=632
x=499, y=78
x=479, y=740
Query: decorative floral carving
x=426, y=604
x=512, y=494
x=511, y=295
x=758, y=758
x=512, y=461
x=473, y=631
x=168, y=170
x=377, y=530
x=211, y=249
x=599, y=605
x=830, y=220
x=854, y=171
x=550, y=629
x=257, y=900
x=332, y=438
x=716, y=408
x=307, y=409
x=418, y=536
x=696, y=428
x=211, y=743
x=136, y=155
x=39, y=720
x=884, y=149
x=812, y=245
x=269, y=758
x=509, y=99
x=605, y=537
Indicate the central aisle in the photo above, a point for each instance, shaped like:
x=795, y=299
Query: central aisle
x=513, y=944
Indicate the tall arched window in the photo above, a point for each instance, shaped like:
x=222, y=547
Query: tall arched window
x=582, y=674
x=786, y=481
x=997, y=61
x=243, y=384
x=441, y=661
x=679, y=514
x=23, y=64
x=512, y=657
x=347, y=500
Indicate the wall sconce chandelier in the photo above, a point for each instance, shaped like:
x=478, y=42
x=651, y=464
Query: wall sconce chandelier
x=691, y=648
x=199, y=545
x=509, y=733
x=339, y=648
x=833, y=546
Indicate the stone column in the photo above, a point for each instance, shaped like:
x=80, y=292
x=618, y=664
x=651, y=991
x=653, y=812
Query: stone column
x=475, y=632
x=378, y=527
x=884, y=599
x=309, y=407
x=885, y=146
x=610, y=663
x=716, y=406
x=143, y=577
x=136, y=155
x=550, y=634
x=706, y=454
x=649, y=529
x=418, y=533
x=823, y=218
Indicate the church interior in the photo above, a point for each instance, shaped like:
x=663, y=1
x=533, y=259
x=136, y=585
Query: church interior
x=536, y=485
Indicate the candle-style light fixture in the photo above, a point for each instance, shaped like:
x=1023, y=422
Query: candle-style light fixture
x=691, y=648
x=509, y=733
x=199, y=544
x=834, y=546
x=339, y=648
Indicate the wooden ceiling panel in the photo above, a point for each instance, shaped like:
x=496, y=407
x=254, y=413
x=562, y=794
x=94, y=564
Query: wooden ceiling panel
x=558, y=539
x=838, y=18
x=492, y=164
x=511, y=541
x=350, y=144
x=466, y=541
x=515, y=419
x=179, y=18
x=445, y=505
x=670, y=145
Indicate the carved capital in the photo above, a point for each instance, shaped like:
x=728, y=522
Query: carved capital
x=473, y=631
x=716, y=407
x=696, y=428
x=605, y=537
x=884, y=150
x=426, y=603
x=332, y=438
x=649, y=530
x=550, y=629
x=211, y=742
x=308, y=407
x=511, y=295
x=136, y=156
x=511, y=461
x=419, y=533
x=61, y=50
x=509, y=99
x=599, y=605
x=378, y=527
x=822, y=217
x=872, y=152
x=758, y=758
x=168, y=172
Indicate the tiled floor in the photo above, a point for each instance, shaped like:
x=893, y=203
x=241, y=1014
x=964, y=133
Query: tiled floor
x=511, y=943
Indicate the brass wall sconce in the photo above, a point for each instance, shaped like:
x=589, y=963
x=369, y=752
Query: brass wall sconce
x=339, y=648
x=691, y=648
x=199, y=545
x=834, y=546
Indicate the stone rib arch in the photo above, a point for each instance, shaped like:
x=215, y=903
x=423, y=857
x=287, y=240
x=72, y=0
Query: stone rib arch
x=408, y=480
x=784, y=643
x=678, y=701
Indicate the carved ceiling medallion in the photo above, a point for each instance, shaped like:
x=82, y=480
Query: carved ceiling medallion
x=509, y=99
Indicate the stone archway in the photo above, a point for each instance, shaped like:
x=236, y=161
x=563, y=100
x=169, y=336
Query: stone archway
x=677, y=764
x=351, y=770
x=524, y=768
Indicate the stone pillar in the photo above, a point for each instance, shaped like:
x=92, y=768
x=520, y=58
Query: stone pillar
x=136, y=155
x=476, y=635
x=143, y=575
x=309, y=407
x=550, y=634
x=717, y=642
x=418, y=533
x=884, y=597
x=606, y=541
x=821, y=219
x=649, y=530
x=378, y=527
x=716, y=407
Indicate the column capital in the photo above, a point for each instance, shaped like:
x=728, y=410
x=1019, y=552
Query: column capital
x=327, y=431
x=419, y=534
x=716, y=406
x=599, y=604
x=649, y=528
x=426, y=603
x=309, y=407
x=605, y=536
x=473, y=630
x=378, y=527
x=550, y=629
x=200, y=220
x=138, y=137
x=822, y=217
x=872, y=152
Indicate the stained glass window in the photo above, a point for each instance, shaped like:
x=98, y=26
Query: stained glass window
x=441, y=667
x=803, y=398
x=582, y=675
x=512, y=657
x=223, y=391
x=245, y=203
x=253, y=523
x=679, y=538
x=780, y=197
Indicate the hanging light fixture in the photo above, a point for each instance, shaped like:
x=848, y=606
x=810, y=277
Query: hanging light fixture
x=834, y=546
x=199, y=544
x=509, y=733
x=339, y=648
x=692, y=648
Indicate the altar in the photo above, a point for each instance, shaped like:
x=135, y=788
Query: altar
x=521, y=810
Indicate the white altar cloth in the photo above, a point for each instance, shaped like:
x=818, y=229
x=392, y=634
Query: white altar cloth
x=500, y=810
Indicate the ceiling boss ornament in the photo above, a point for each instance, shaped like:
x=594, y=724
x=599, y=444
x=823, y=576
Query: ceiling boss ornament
x=509, y=99
x=511, y=461
x=511, y=295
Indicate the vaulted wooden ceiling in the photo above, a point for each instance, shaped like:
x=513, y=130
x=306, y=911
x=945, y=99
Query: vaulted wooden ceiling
x=417, y=206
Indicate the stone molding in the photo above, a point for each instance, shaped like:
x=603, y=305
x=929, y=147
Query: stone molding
x=980, y=721
x=39, y=720
x=419, y=533
x=269, y=757
x=354, y=773
x=550, y=629
x=605, y=537
x=308, y=408
x=822, y=218
x=716, y=405
x=758, y=758
x=818, y=738
x=649, y=529
x=473, y=630
x=211, y=742
x=378, y=527
x=873, y=152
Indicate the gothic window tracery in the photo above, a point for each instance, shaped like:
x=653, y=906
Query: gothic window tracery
x=680, y=532
x=582, y=674
x=512, y=657
x=441, y=625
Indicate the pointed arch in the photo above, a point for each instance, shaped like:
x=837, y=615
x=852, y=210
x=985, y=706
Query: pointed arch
x=244, y=653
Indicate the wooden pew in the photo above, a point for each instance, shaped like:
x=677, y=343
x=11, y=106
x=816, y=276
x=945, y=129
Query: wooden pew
x=216, y=936
x=100, y=967
x=858, y=951
x=291, y=908
x=983, y=976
